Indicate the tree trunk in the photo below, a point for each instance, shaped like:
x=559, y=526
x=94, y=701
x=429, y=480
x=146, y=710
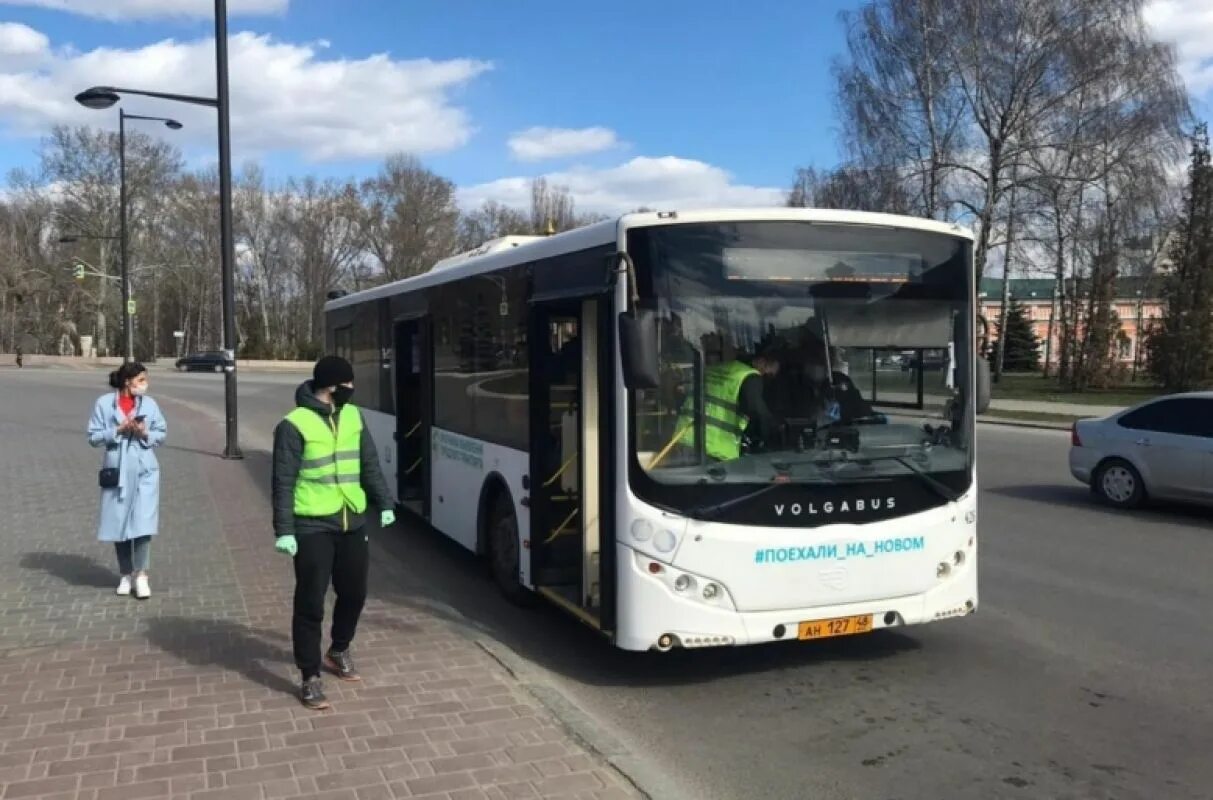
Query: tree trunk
x=1006, y=279
x=987, y=212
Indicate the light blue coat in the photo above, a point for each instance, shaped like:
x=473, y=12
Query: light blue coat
x=132, y=509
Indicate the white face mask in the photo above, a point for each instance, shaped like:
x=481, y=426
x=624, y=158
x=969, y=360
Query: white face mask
x=139, y=391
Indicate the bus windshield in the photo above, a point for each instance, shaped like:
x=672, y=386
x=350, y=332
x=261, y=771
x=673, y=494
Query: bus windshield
x=805, y=353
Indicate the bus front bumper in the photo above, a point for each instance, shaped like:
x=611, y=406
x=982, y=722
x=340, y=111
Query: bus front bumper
x=655, y=614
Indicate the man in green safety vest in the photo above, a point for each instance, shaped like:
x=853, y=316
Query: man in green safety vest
x=733, y=404
x=326, y=472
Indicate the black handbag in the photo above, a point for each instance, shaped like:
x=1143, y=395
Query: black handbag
x=108, y=477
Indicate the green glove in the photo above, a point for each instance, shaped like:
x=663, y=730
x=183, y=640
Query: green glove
x=287, y=545
x=387, y=519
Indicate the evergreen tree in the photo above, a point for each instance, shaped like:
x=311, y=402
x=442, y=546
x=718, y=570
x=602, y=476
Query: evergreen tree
x=1022, y=347
x=1181, y=346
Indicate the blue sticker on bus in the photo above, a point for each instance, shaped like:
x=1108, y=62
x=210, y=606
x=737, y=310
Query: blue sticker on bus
x=827, y=552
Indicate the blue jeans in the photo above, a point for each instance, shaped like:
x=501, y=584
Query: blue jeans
x=134, y=555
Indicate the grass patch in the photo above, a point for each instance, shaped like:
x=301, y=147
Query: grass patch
x=1034, y=387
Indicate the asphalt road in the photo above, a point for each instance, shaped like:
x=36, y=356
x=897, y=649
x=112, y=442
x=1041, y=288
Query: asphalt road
x=1086, y=673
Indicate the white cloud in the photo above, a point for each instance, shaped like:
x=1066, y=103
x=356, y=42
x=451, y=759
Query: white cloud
x=21, y=46
x=284, y=96
x=662, y=183
x=1188, y=24
x=540, y=144
x=155, y=9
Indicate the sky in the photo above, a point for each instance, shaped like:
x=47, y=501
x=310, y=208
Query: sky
x=667, y=104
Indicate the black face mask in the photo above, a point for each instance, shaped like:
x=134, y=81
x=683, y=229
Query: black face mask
x=342, y=395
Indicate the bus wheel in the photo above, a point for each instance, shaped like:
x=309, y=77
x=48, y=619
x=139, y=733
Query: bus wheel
x=504, y=556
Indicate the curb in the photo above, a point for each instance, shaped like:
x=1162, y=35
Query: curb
x=633, y=770
x=1008, y=422
x=640, y=773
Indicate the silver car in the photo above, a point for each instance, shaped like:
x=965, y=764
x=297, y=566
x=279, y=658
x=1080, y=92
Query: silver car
x=1160, y=449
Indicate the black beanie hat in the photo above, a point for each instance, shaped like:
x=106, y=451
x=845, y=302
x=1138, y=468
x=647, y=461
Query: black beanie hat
x=330, y=371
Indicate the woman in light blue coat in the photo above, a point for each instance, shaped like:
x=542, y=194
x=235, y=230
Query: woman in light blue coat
x=129, y=426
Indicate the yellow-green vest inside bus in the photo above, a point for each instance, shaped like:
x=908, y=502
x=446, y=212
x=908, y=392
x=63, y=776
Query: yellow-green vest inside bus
x=330, y=478
x=723, y=421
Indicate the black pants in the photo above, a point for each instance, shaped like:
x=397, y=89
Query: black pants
x=340, y=558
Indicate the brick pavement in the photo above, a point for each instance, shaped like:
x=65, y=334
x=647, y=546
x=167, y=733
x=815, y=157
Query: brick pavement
x=190, y=694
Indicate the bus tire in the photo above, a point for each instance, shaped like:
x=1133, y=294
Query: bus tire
x=504, y=551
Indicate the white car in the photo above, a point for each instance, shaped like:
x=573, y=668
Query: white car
x=1160, y=449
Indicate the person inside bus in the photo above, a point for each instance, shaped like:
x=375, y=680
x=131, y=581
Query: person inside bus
x=735, y=407
x=677, y=358
x=838, y=389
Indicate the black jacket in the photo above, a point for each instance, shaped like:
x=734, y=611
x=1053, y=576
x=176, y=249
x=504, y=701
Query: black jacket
x=288, y=454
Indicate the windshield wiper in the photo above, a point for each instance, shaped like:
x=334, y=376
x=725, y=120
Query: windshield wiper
x=713, y=510
x=924, y=477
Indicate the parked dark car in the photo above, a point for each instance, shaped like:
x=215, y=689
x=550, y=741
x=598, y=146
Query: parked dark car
x=206, y=362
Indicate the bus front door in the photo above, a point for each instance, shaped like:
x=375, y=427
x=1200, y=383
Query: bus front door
x=413, y=414
x=564, y=541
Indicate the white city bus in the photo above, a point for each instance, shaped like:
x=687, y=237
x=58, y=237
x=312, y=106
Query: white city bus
x=540, y=400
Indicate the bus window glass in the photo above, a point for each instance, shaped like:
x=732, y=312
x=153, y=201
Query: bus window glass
x=801, y=352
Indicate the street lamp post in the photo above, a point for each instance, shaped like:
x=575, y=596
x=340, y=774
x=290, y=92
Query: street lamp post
x=106, y=96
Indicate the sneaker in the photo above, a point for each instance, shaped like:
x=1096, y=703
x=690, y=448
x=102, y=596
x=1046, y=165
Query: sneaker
x=311, y=692
x=143, y=589
x=342, y=665
x=124, y=586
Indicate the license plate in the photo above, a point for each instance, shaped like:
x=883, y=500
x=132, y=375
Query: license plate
x=840, y=626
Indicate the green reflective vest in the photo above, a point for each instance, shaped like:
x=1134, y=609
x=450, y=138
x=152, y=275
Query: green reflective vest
x=330, y=475
x=724, y=423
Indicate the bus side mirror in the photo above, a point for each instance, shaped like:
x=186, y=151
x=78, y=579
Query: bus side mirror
x=638, y=348
x=982, y=397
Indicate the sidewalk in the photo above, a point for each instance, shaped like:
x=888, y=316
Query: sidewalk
x=1042, y=407
x=190, y=694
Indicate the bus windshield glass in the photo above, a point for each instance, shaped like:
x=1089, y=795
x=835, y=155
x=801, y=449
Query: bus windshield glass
x=805, y=353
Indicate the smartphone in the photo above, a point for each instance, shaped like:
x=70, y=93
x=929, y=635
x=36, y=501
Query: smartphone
x=140, y=418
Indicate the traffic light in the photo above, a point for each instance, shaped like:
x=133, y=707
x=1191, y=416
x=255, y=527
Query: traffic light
x=79, y=272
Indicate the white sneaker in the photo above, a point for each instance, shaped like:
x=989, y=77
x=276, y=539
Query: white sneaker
x=143, y=589
x=124, y=586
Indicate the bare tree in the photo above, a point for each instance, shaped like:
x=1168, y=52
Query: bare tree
x=851, y=187
x=409, y=220
x=900, y=105
x=322, y=218
x=267, y=278
x=491, y=221
x=552, y=208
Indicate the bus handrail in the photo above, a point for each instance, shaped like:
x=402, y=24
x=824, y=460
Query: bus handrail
x=560, y=529
x=560, y=471
x=665, y=451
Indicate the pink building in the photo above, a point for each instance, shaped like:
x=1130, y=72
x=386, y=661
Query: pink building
x=1137, y=305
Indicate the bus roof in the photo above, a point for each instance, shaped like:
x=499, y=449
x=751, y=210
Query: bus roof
x=509, y=251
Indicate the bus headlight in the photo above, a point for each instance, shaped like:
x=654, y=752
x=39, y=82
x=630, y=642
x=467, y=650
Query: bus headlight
x=666, y=541
x=642, y=530
x=685, y=585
